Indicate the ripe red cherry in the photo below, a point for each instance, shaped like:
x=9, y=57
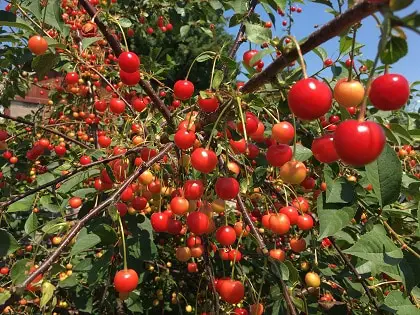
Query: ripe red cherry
x=292, y=213
x=283, y=132
x=184, y=139
x=226, y=235
x=100, y=106
x=126, y=281
x=37, y=45
x=116, y=105
x=139, y=104
x=127, y=194
x=208, y=105
x=85, y=160
x=183, y=89
x=328, y=62
x=305, y=222
x=129, y=62
x=130, y=79
x=251, y=123
x=234, y=255
x=324, y=150
x=253, y=151
x=139, y=203
x=198, y=222
x=179, y=205
x=279, y=223
x=3, y=135
x=389, y=92
x=301, y=203
x=72, y=78
x=279, y=154
x=193, y=189
x=60, y=150
x=238, y=146
x=259, y=134
x=359, y=143
x=174, y=226
x=232, y=291
x=248, y=55
x=75, y=202
x=4, y=271
x=203, y=160
x=227, y=188
x=310, y=99
x=104, y=141
x=298, y=244
x=240, y=311
x=159, y=221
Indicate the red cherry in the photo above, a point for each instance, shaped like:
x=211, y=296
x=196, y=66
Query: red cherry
x=389, y=92
x=251, y=123
x=279, y=223
x=227, y=188
x=301, y=203
x=100, y=106
x=292, y=213
x=328, y=62
x=324, y=150
x=179, y=205
x=248, y=55
x=3, y=135
x=60, y=150
x=234, y=255
x=85, y=160
x=104, y=141
x=126, y=281
x=310, y=99
x=193, y=189
x=75, y=202
x=198, y=222
x=238, y=146
x=203, y=160
x=127, y=194
x=192, y=267
x=159, y=221
x=130, y=79
x=139, y=104
x=305, y=222
x=283, y=132
x=139, y=203
x=174, y=226
x=146, y=154
x=116, y=105
x=253, y=151
x=37, y=45
x=359, y=143
x=184, y=139
x=208, y=105
x=129, y=62
x=279, y=154
x=169, y=27
x=72, y=78
x=226, y=235
x=232, y=291
x=308, y=183
x=122, y=208
x=240, y=311
x=183, y=89
x=258, y=135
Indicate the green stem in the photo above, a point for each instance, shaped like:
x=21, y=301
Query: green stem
x=212, y=72
x=238, y=99
x=204, y=52
x=123, y=240
x=122, y=32
x=217, y=123
x=353, y=44
x=271, y=115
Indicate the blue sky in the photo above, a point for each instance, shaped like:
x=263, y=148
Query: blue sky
x=368, y=34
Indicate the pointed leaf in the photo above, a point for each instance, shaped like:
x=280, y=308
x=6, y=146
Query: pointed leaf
x=8, y=243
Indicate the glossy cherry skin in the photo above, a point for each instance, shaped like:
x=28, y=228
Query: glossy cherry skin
x=389, y=92
x=292, y=213
x=283, y=132
x=126, y=280
x=310, y=99
x=359, y=143
x=277, y=155
x=116, y=105
x=226, y=235
x=198, y=222
x=232, y=291
x=305, y=222
x=248, y=55
x=227, y=188
x=203, y=160
x=37, y=45
x=130, y=78
x=159, y=221
x=129, y=62
x=193, y=189
x=349, y=93
x=72, y=78
x=324, y=150
x=184, y=139
x=208, y=105
x=183, y=89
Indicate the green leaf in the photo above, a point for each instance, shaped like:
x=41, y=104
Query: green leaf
x=53, y=14
x=31, y=225
x=86, y=42
x=125, y=23
x=377, y=247
x=54, y=226
x=69, y=282
x=44, y=178
x=346, y=45
x=217, y=79
x=260, y=55
x=84, y=265
x=257, y=34
x=47, y=293
x=20, y=271
x=83, y=242
x=44, y=63
x=7, y=16
x=279, y=269
x=113, y=213
x=321, y=53
x=385, y=175
x=8, y=243
x=339, y=191
x=293, y=272
x=106, y=233
x=4, y=296
x=141, y=245
x=281, y=4
x=183, y=31
x=395, y=49
x=48, y=205
x=52, y=43
x=302, y=153
x=22, y=26
x=401, y=132
x=204, y=57
x=396, y=5
x=239, y=6
x=76, y=180
x=24, y=204
x=207, y=31
x=396, y=303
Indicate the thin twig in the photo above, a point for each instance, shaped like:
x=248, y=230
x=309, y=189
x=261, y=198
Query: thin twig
x=399, y=240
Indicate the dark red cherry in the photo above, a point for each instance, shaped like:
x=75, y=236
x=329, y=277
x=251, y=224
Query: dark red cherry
x=183, y=89
x=323, y=149
x=129, y=62
x=130, y=78
x=359, y=143
x=310, y=99
x=203, y=160
x=279, y=154
x=248, y=55
x=159, y=221
x=389, y=92
x=208, y=105
x=72, y=78
x=184, y=139
x=227, y=188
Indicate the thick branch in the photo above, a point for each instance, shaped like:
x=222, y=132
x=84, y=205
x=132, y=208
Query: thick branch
x=357, y=274
x=30, y=123
x=333, y=28
x=93, y=213
x=241, y=32
x=66, y=176
x=116, y=47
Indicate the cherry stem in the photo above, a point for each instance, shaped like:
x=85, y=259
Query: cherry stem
x=238, y=99
x=212, y=72
x=192, y=64
x=122, y=32
x=217, y=123
x=123, y=240
x=299, y=51
x=353, y=44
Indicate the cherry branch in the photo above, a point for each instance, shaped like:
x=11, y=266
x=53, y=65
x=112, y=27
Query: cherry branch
x=29, y=123
x=331, y=29
x=67, y=176
x=116, y=47
x=241, y=32
x=399, y=240
x=357, y=274
x=93, y=213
